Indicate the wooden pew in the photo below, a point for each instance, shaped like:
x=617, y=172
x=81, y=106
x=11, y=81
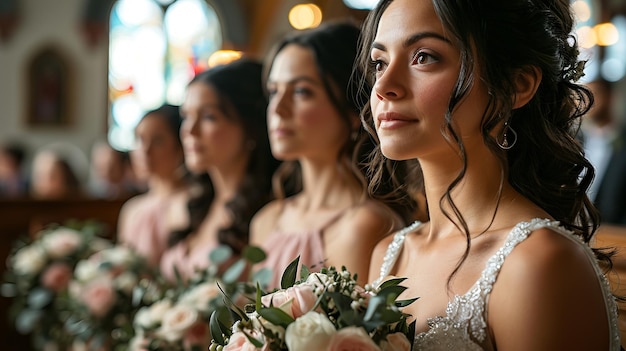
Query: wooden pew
x=21, y=217
x=615, y=237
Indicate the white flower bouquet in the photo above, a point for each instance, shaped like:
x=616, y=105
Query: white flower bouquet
x=323, y=311
x=101, y=302
x=39, y=271
x=179, y=320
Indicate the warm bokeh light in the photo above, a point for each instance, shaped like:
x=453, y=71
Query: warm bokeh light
x=222, y=57
x=606, y=33
x=586, y=37
x=582, y=11
x=305, y=16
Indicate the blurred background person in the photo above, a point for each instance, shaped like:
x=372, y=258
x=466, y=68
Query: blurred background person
x=110, y=177
x=604, y=140
x=224, y=133
x=158, y=158
x=58, y=172
x=13, y=174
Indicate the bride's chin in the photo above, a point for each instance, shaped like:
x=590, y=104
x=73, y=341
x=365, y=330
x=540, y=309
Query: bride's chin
x=395, y=154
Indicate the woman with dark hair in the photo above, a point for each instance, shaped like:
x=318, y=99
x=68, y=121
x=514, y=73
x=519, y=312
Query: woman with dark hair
x=314, y=126
x=225, y=140
x=483, y=94
x=158, y=159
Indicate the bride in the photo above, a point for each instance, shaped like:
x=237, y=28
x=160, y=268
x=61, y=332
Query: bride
x=482, y=93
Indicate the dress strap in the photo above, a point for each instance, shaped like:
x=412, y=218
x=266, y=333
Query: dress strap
x=393, y=251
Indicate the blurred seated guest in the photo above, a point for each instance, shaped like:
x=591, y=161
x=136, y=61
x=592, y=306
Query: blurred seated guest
x=604, y=139
x=109, y=176
x=57, y=172
x=224, y=133
x=158, y=158
x=13, y=176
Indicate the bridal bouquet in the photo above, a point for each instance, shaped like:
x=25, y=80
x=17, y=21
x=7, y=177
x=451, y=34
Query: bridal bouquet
x=179, y=319
x=323, y=311
x=100, y=304
x=38, y=273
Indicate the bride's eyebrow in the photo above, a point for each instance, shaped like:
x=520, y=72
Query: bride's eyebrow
x=413, y=39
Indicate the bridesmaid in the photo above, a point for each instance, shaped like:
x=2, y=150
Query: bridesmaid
x=225, y=140
x=315, y=127
x=158, y=159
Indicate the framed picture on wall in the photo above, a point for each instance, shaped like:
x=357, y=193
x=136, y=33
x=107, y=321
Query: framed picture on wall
x=49, y=82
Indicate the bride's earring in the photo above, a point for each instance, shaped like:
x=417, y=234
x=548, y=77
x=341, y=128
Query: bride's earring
x=507, y=131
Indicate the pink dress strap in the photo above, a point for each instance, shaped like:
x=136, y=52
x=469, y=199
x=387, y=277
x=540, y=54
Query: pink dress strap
x=283, y=246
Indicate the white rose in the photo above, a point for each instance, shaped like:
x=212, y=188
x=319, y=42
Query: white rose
x=200, y=296
x=61, y=242
x=86, y=270
x=119, y=255
x=312, y=331
x=29, y=260
x=152, y=316
x=126, y=282
x=318, y=280
x=176, y=321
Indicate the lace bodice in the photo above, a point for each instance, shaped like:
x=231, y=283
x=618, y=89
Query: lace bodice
x=464, y=326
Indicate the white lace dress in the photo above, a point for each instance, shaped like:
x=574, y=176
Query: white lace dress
x=464, y=326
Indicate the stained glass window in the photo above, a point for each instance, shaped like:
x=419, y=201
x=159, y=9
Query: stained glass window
x=155, y=48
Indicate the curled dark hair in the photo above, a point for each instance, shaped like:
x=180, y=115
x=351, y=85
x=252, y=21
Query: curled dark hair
x=334, y=46
x=499, y=39
x=242, y=99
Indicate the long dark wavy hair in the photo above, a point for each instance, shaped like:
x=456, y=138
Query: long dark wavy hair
x=500, y=38
x=242, y=99
x=334, y=46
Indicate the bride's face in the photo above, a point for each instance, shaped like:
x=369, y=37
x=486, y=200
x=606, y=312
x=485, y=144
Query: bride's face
x=417, y=67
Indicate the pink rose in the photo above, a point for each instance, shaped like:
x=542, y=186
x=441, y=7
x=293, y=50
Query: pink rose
x=239, y=342
x=197, y=335
x=57, y=277
x=99, y=297
x=396, y=342
x=301, y=297
x=352, y=339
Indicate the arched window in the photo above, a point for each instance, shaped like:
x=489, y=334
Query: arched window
x=155, y=48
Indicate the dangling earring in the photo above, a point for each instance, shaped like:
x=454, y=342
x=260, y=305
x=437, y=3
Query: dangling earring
x=505, y=144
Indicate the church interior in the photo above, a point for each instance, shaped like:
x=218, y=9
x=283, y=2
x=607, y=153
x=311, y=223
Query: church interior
x=77, y=73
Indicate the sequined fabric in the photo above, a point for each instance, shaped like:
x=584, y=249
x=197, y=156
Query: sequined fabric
x=464, y=326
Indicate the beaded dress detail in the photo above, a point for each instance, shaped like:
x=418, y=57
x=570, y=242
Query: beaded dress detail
x=464, y=326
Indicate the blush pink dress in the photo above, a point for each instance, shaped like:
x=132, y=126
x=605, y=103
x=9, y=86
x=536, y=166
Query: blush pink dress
x=146, y=230
x=283, y=246
x=186, y=261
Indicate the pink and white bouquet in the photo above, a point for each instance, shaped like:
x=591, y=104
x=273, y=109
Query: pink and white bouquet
x=101, y=301
x=39, y=270
x=179, y=320
x=322, y=311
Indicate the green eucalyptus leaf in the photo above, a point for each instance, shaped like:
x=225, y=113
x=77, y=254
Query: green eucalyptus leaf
x=289, y=276
x=220, y=254
x=404, y=303
x=216, y=330
x=391, y=282
x=40, y=298
x=234, y=272
x=263, y=276
x=276, y=316
x=27, y=320
x=253, y=254
x=8, y=290
x=304, y=272
x=391, y=292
